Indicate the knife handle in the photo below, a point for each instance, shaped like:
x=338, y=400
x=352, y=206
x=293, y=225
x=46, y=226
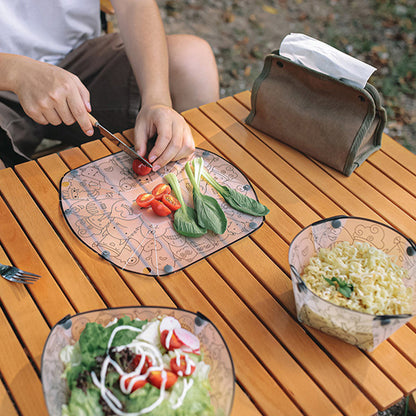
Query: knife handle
x=93, y=120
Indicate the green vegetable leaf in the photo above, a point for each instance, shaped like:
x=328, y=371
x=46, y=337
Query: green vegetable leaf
x=344, y=288
x=208, y=211
x=94, y=339
x=237, y=200
x=85, y=404
x=184, y=220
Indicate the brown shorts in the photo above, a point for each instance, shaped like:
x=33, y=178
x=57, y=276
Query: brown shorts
x=103, y=67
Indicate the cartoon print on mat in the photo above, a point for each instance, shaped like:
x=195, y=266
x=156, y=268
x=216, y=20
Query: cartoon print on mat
x=98, y=201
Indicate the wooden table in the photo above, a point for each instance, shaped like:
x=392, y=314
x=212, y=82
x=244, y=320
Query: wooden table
x=281, y=366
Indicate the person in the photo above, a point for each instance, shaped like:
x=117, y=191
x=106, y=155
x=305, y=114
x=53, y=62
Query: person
x=56, y=66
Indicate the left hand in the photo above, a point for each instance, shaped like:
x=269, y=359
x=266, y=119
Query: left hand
x=174, y=138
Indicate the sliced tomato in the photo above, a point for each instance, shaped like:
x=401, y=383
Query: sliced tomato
x=160, y=208
x=140, y=168
x=171, y=202
x=160, y=190
x=156, y=378
x=182, y=365
x=137, y=384
x=144, y=200
x=169, y=340
x=147, y=363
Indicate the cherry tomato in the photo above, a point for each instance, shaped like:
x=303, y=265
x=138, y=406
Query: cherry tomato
x=182, y=366
x=140, y=168
x=146, y=364
x=144, y=200
x=172, y=343
x=156, y=379
x=171, y=202
x=160, y=190
x=160, y=209
x=137, y=384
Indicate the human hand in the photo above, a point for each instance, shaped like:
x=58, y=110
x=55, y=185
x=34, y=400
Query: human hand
x=174, y=138
x=50, y=94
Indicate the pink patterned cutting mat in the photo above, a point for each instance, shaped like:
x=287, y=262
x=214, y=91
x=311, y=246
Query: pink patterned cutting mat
x=98, y=202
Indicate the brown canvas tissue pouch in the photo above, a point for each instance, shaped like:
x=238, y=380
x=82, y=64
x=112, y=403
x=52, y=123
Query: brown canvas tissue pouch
x=327, y=119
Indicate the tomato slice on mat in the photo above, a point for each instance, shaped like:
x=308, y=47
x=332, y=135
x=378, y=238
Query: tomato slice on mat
x=160, y=190
x=156, y=378
x=171, y=202
x=144, y=200
x=140, y=168
x=159, y=208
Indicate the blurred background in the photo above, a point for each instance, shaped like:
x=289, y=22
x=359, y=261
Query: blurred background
x=381, y=33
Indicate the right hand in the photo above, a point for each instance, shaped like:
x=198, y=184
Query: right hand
x=52, y=95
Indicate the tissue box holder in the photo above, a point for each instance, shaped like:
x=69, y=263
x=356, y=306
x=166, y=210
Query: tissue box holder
x=335, y=123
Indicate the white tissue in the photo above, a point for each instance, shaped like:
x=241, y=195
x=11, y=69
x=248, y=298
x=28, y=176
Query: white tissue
x=321, y=57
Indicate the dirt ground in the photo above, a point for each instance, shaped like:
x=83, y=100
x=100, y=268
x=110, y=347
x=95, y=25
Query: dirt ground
x=242, y=32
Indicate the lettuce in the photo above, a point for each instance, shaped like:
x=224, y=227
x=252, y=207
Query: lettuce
x=197, y=401
x=83, y=404
x=93, y=343
x=94, y=339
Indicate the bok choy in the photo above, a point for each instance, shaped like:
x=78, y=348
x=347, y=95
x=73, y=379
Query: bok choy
x=208, y=211
x=235, y=199
x=184, y=219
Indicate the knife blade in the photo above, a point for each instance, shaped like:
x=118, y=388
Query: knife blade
x=106, y=133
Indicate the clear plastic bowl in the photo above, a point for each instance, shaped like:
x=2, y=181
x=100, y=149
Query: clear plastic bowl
x=364, y=330
x=68, y=330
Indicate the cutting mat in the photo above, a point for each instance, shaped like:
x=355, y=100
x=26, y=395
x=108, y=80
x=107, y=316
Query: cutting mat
x=98, y=202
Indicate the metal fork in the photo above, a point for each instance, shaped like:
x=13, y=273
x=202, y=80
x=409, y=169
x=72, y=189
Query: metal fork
x=13, y=274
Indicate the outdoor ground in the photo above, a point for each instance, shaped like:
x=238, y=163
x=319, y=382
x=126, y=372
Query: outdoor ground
x=379, y=32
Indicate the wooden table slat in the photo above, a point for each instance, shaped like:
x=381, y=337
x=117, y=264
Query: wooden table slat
x=270, y=400
x=24, y=315
x=105, y=278
x=19, y=375
x=46, y=292
x=57, y=257
x=6, y=405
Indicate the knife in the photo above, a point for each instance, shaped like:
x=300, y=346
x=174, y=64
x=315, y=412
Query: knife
x=106, y=133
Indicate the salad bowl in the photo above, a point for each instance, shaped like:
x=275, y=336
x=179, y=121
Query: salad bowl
x=364, y=330
x=67, y=332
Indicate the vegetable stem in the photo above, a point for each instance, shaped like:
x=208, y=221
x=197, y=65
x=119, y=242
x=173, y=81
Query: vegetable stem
x=208, y=211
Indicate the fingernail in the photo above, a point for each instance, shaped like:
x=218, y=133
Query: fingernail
x=155, y=168
x=90, y=132
x=152, y=158
x=88, y=106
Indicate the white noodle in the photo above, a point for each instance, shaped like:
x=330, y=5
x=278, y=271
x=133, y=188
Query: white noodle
x=378, y=286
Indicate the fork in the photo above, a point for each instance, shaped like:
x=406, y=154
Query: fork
x=13, y=274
